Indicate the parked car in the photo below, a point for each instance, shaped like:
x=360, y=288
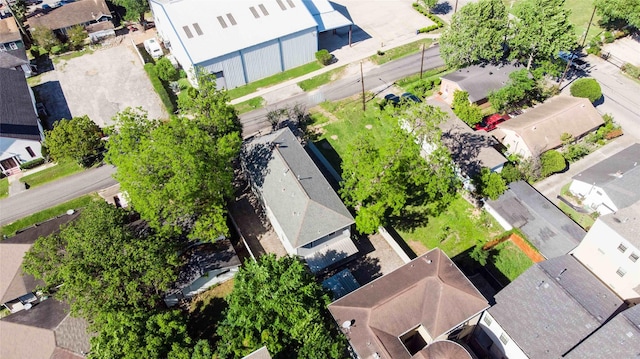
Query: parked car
x=579, y=64
x=489, y=123
x=390, y=98
x=411, y=97
x=153, y=48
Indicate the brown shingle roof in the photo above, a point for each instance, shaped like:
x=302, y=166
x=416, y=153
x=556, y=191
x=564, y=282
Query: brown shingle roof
x=9, y=31
x=75, y=13
x=443, y=349
x=541, y=127
x=429, y=291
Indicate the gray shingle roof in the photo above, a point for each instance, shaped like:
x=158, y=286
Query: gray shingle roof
x=619, y=338
x=17, y=116
x=546, y=227
x=618, y=176
x=626, y=222
x=13, y=58
x=480, y=80
x=553, y=306
x=293, y=188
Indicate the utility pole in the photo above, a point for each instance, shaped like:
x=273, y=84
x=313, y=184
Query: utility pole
x=422, y=61
x=588, y=26
x=584, y=39
x=364, y=103
x=455, y=9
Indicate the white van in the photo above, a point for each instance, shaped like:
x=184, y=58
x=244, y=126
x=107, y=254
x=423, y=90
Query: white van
x=153, y=48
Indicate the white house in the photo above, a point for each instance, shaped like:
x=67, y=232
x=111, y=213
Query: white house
x=540, y=129
x=305, y=212
x=610, y=184
x=20, y=129
x=611, y=250
x=242, y=41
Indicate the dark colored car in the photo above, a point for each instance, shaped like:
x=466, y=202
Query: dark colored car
x=489, y=123
x=411, y=97
x=391, y=98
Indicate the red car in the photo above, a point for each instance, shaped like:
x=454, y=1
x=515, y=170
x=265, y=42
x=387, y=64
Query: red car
x=489, y=123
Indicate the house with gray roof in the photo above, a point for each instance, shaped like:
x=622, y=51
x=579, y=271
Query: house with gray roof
x=612, y=183
x=551, y=231
x=46, y=331
x=305, y=212
x=546, y=311
x=206, y=264
x=21, y=133
x=477, y=80
x=619, y=338
x=611, y=251
x=423, y=309
x=82, y=12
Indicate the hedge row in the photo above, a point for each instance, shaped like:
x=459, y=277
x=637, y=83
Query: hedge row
x=32, y=164
x=438, y=23
x=159, y=87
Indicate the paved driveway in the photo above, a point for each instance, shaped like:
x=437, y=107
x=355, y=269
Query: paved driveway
x=99, y=85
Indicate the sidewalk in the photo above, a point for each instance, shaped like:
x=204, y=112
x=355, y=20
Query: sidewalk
x=551, y=186
x=15, y=186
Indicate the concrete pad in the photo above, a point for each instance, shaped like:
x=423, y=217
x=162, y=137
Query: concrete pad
x=626, y=49
x=104, y=83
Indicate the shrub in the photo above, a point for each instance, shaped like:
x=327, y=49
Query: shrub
x=59, y=49
x=575, y=152
x=594, y=49
x=608, y=37
x=470, y=114
x=44, y=38
x=324, y=57
x=77, y=36
x=511, y=173
x=479, y=254
x=586, y=88
x=489, y=184
x=159, y=87
x=552, y=162
x=32, y=164
x=631, y=70
x=165, y=70
x=613, y=134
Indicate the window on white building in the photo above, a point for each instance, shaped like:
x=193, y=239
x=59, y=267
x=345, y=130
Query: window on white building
x=504, y=339
x=621, y=272
x=622, y=248
x=487, y=320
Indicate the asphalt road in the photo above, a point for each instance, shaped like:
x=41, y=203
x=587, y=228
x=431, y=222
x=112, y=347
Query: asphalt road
x=255, y=121
x=54, y=193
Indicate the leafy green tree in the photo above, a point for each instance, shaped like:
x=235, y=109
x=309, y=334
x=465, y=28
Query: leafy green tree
x=132, y=334
x=586, y=88
x=540, y=29
x=104, y=263
x=511, y=173
x=202, y=350
x=278, y=303
x=77, y=36
x=490, y=184
x=44, y=38
x=178, y=175
x=614, y=10
x=78, y=139
x=388, y=180
x=467, y=112
x=479, y=254
x=19, y=10
x=520, y=88
x=429, y=4
x=476, y=34
x=135, y=9
x=165, y=70
x=552, y=162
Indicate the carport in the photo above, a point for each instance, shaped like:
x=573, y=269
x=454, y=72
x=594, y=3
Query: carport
x=327, y=17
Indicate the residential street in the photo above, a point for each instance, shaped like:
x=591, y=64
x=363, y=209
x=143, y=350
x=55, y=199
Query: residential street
x=54, y=193
x=374, y=77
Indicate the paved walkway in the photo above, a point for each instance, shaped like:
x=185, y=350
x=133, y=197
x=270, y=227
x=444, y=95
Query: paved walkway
x=15, y=186
x=551, y=186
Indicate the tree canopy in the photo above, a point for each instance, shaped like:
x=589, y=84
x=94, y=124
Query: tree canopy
x=625, y=10
x=178, y=175
x=78, y=139
x=490, y=184
x=104, y=263
x=44, y=38
x=278, y=303
x=467, y=112
x=521, y=87
x=586, y=88
x=540, y=30
x=476, y=34
x=387, y=180
x=135, y=9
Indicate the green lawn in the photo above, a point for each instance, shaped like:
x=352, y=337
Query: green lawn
x=4, y=187
x=584, y=220
x=207, y=311
x=249, y=105
x=51, y=174
x=400, y=51
x=510, y=260
x=49, y=213
x=70, y=55
x=272, y=80
x=322, y=79
x=455, y=230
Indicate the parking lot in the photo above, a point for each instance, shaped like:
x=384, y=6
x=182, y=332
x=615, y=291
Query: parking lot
x=99, y=85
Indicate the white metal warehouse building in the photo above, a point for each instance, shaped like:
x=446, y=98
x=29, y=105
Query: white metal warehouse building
x=243, y=41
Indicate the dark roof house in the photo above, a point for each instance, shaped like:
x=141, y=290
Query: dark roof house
x=18, y=118
x=406, y=312
x=477, y=80
x=81, y=12
x=553, y=306
x=551, y=231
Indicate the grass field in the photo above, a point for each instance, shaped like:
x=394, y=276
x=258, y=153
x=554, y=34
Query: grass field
x=249, y=105
x=510, y=260
x=322, y=79
x=400, y=51
x=51, y=174
x=4, y=187
x=272, y=80
x=49, y=213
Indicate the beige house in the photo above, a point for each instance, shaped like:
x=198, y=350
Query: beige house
x=423, y=309
x=81, y=12
x=540, y=128
x=611, y=251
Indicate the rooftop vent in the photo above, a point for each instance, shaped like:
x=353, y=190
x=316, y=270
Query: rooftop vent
x=222, y=22
x=254, y=12
x=196, y=27
x=291, y=3
x=282, y=7
x=187, y=31
x=231, y=19
x=263, y=9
